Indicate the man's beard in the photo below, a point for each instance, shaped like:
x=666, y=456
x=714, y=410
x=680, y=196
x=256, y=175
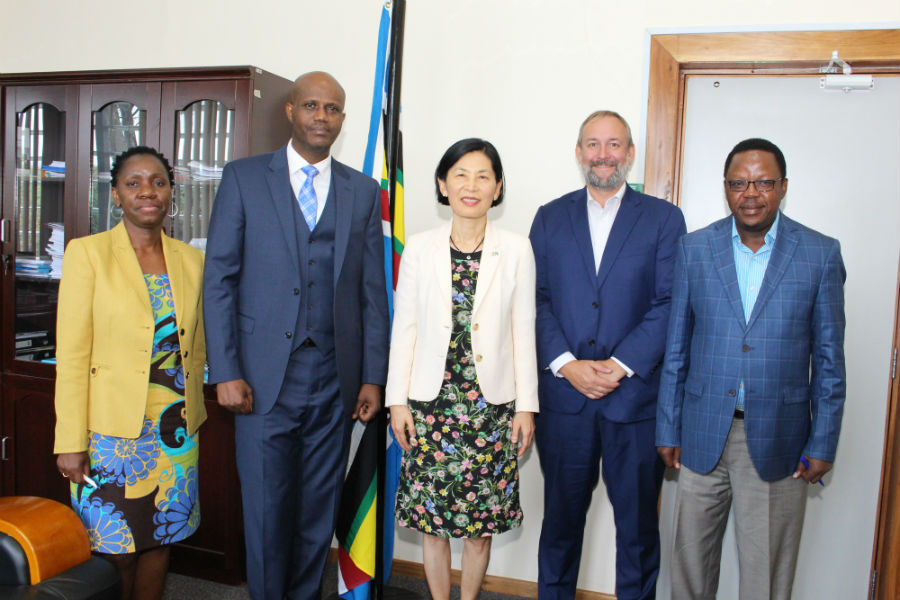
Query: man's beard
x=613, y=182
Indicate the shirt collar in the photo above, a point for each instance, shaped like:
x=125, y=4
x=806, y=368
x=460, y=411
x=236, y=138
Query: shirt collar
x=771, y=234
x=612, y=202
x=297, y=162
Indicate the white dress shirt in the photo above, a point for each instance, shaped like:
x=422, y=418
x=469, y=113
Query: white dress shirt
x=600, y=222
x=321, y=183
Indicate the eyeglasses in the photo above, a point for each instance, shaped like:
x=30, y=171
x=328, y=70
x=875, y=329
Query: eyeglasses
x=761, y=185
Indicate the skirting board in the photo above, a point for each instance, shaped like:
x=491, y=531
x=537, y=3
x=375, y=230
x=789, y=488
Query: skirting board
x=492, y=583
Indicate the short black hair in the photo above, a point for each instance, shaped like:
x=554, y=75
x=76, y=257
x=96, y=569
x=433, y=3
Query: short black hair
x=122, y=158
x=757, y=144
x=456, y=152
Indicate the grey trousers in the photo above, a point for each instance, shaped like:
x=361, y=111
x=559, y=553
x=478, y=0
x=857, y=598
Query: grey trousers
x=768, y=519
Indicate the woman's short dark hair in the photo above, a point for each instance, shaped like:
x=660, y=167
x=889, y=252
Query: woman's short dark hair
x=761, y=145
x=122, y=158
x=456, y=152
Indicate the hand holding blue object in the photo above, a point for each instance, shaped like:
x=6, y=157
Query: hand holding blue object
x=805, y=462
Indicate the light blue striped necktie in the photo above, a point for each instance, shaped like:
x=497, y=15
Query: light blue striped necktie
x=307, y=197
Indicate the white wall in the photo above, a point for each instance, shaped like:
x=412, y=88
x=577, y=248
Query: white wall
x=522, y=73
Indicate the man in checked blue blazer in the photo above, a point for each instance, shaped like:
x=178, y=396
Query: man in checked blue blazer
x=296, y=309
x=753, y=383
x=604, y=257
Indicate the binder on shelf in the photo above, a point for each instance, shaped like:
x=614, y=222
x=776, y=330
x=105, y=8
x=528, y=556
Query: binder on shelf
x=41, y=353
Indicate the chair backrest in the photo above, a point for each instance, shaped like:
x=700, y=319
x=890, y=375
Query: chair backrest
x=51, y=534
x=13, y=563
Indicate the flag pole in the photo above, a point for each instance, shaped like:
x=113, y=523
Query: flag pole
x=392, y=146
x=395, y=71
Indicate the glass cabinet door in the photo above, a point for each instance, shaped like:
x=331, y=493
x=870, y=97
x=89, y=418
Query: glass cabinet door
x=38, y=224
x=115, y=127
x=204, y=142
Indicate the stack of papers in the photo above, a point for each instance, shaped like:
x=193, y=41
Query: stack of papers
x=201, y=172
x=55, y=170
x=38, y=266
x=55, y=248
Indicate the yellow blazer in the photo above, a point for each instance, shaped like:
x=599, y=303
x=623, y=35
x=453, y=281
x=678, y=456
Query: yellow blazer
x=503, y=316
x=104, y=337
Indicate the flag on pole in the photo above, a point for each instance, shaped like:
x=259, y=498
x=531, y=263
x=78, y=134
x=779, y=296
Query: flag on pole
x=357, y=527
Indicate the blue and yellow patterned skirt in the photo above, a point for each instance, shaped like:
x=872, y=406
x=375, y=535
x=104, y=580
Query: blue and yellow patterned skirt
x=148, y=485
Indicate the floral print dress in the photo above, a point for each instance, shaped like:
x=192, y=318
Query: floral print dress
x=147, y=493
x=460, y=479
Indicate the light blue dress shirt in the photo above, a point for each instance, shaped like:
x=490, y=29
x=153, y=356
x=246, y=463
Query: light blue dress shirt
x=751, y=268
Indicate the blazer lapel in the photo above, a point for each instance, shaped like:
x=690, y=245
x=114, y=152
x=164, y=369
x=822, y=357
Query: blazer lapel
x=440, y=269
x=126, y=259
x=582, y=232
x=174, y=266
x=626, y=217
x=342, y=195
x=782, y=252
x=282, y=195
x=489, y=266
x=723, y=257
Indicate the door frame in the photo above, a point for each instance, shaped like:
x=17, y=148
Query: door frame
x=673, y=57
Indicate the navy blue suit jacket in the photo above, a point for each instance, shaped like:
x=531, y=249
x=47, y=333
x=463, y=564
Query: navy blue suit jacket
x=623, y=310
x=252, y=278
x=797, y=322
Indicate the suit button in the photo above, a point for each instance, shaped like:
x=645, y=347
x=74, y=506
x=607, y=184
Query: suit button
x=310, y=284
x=732, y=393
x=187, y=375
x=181, y=331
x=296, y=292
x=93, y=370
x=185, y=353
x=478, y=358
x=288, y=334
x=595, y=304
x=309, y=307
x=591, y=343
x=745, y=348
x=312, y=262
x=475, y=327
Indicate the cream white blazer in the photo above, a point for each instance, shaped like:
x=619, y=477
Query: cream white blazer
x=503, y=317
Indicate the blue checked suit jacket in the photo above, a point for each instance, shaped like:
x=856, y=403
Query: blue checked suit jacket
x=790, y=354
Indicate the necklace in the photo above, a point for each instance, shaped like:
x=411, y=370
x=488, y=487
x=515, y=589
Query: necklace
x=468, y=254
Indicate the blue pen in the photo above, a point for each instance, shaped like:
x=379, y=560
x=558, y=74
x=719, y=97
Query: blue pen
x=805, y=462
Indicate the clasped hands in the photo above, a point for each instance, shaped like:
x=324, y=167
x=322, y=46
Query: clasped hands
x=593, y=378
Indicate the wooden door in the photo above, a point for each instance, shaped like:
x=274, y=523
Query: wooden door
x=885, y=582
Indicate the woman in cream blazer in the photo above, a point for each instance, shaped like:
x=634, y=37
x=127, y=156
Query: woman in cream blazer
x=462, y=377
x=129, y=378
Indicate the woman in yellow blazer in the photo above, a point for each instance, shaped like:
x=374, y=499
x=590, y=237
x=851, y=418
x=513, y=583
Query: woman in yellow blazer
x=129, y=378
x=462, y=377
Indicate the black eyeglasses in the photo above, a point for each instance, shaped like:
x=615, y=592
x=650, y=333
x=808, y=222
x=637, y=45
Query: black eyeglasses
x=761, y=185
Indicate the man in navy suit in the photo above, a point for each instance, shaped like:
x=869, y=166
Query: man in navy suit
x=297, y=329
x=753, y=383
x=604, y=255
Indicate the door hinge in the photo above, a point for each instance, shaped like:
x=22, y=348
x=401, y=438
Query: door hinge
x=3, y=448
x=873, y=585
x=894, y=363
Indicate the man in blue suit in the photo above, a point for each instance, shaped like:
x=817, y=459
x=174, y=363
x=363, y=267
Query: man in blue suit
x=604, y=255
x=753, y=383
x=297, y=329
